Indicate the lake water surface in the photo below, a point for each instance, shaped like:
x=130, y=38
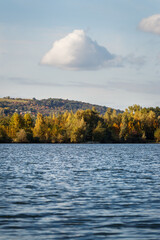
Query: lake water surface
x=79, y=191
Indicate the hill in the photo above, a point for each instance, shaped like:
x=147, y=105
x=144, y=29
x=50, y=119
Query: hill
x=45, y=106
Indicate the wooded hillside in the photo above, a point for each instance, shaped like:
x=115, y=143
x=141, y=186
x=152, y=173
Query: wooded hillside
x=45, y=106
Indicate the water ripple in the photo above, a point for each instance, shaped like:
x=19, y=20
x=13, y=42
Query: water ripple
x=79, y=191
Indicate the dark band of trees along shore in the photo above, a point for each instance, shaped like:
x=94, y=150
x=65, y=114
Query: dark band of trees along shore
x=135, y=125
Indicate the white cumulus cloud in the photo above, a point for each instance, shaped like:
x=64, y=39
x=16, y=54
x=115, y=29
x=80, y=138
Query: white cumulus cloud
x=77, y=51
x=151, y=24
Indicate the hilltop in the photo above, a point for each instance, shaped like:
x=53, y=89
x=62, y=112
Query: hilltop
x=47, y=107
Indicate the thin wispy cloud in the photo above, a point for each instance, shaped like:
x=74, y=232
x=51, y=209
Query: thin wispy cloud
x=137, y=61
x=132, y=86
x=151, y=24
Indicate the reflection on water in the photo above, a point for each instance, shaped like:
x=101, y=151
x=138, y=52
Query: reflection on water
x=79, y=191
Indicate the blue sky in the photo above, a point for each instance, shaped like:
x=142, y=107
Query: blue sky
x=104, y=54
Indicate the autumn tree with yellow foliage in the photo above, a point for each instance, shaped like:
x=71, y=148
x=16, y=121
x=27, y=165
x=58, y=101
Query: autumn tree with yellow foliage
x=135, y=124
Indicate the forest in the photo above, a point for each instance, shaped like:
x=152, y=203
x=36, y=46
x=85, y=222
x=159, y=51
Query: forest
x=46, y=107
x=134, y=125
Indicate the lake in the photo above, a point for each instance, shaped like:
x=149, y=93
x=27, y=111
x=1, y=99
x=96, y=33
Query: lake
x=79, y=191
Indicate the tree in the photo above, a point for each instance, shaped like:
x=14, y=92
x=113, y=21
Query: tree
x=157, y=135
x=28, y=122
x=135, y=108
x=100, y=133
x=16, y=123
x=39, y=129
x=123, y=135
x=150, y=124
x=91, y=118
x=3, y=135
x=78, y=129
x=21, y=137
x=107, y=116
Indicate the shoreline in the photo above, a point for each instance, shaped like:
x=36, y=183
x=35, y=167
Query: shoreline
x=89, y=143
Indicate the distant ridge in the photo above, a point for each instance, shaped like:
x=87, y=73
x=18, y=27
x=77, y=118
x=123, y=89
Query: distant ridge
x=47, y=107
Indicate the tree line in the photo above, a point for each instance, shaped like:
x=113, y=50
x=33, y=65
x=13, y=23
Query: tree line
x=134, y=125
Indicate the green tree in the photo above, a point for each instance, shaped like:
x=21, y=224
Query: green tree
x=123, y=135
x=4, y=138
x=91, y=118
x=100, y=133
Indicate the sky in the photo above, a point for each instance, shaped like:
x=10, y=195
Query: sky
x=104, y=52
